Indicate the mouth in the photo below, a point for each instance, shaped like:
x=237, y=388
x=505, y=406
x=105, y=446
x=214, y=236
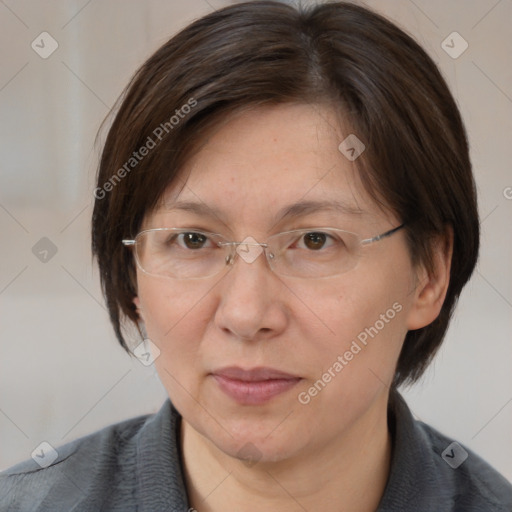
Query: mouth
x=254, y=386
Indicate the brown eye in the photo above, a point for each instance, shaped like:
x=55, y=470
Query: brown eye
x=193, y=240
x=315, y=241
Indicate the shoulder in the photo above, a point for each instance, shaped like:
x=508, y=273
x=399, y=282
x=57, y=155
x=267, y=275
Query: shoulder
x=85, y=470
x=476, y=485
x=429, y=471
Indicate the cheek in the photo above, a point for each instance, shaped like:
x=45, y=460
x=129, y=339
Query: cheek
x=352, y=363
x=366, y=320
x=167, y=307
x=175, y=320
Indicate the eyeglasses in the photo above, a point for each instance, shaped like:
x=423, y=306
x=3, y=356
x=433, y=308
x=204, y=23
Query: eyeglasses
x=192, y=254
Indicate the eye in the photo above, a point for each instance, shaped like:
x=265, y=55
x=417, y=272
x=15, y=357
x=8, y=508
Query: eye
x=315, y=240
x=191, y=240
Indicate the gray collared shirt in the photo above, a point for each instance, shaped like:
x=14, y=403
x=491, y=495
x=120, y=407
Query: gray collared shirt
x=135, y=466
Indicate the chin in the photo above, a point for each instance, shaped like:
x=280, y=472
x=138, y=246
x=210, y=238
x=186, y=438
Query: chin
x=257, y=444
x=254, y=451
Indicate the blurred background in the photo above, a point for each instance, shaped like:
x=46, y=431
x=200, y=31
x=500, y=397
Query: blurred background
x=63, y=65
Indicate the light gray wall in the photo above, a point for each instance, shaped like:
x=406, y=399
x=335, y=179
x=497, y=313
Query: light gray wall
x=62, y=374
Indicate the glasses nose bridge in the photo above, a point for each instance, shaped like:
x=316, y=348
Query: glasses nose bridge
x=251, y=252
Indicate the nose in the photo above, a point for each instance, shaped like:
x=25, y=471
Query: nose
x=252, y=298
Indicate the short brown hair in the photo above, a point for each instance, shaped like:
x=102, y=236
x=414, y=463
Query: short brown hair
x=259, y=53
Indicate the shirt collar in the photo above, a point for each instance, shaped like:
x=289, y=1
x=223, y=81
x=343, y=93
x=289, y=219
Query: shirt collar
x=413, y=476
x=160, y=477
x=412, y=479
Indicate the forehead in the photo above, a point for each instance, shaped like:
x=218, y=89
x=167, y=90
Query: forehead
x=261, y=160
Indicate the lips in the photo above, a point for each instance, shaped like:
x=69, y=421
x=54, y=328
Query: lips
x=253, y=386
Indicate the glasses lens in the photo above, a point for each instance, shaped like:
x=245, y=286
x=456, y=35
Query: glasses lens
x=313, y=253
x=180, y=253
x=188, y=253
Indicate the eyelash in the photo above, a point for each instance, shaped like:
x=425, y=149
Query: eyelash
x=180, y=240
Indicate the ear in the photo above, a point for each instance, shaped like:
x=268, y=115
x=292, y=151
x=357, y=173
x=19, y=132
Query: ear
x=431, y=288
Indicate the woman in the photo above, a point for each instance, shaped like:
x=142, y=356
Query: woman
x=285, y=210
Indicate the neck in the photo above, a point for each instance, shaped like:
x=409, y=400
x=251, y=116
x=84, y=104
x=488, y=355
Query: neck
x=348, y=473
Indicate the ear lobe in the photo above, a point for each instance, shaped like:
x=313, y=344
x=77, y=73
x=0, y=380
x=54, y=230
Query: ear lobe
x=431, y=287
x=138, y=307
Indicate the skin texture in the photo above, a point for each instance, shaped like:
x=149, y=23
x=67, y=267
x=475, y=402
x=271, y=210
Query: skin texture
x=332, y=453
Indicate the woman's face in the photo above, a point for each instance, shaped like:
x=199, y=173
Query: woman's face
x=263, y=365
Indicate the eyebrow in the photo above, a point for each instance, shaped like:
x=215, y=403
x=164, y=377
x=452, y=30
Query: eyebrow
x=303, y=208
x=299, y=209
